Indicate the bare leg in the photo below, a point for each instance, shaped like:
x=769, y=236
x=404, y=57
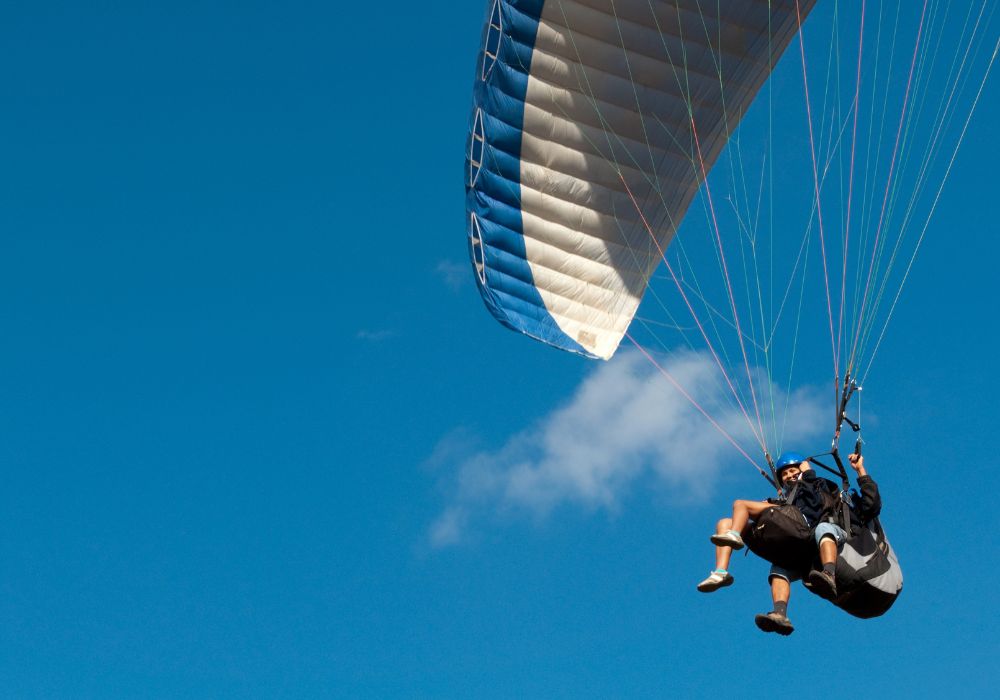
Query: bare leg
x=744, y=510
x=828, y=550
x=722, y=554
x=823, y=581
x=777, y=620
x=781, y=591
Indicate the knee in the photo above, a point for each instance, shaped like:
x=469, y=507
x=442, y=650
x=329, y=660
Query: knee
x=779, y=577
x=724, y=525
x=828, y=531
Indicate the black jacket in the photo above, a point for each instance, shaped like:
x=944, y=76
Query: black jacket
x=817, y=498
x=866, y=505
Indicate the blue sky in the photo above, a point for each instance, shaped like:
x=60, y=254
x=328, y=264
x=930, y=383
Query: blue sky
x=245, y=363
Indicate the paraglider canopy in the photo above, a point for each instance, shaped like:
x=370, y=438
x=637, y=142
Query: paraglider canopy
x=594, y=125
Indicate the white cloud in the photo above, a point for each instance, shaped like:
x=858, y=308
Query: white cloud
x=625, y=421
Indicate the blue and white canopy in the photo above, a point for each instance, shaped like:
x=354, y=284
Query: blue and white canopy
x=593, y=124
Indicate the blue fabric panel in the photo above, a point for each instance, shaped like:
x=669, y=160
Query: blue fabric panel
x=509, y=291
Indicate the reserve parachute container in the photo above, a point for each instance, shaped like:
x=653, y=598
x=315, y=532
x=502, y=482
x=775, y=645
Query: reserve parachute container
x=594, y=124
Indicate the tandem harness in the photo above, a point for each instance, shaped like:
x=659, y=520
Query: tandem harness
x=868, y=575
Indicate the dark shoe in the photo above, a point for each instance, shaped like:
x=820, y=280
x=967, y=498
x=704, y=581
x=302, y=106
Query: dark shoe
x=823, y=584
x=773, y=622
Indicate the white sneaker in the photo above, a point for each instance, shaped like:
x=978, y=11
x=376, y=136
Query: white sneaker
x=728, y=539
x=715, y=581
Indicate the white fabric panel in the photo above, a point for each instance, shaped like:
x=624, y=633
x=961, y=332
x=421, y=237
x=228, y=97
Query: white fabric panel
x=612, y=88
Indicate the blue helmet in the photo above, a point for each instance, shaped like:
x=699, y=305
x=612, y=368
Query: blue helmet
x=788, y=459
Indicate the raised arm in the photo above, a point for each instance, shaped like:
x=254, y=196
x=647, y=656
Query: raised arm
x=871, y=501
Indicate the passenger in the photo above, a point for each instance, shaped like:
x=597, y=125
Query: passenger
x=729, y=532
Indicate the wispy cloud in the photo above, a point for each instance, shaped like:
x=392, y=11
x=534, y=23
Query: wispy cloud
x=456, y=276
x=375, y=336
x=625, y=421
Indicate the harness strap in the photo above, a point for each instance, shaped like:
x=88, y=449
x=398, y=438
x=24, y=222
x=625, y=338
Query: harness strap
x=791, y=494
x=819, y=464
x=846, y=513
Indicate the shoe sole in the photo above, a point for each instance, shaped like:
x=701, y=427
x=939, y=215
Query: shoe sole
x=821, y=587
x=722, y=542
x=712, y=587
x=766, y=624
